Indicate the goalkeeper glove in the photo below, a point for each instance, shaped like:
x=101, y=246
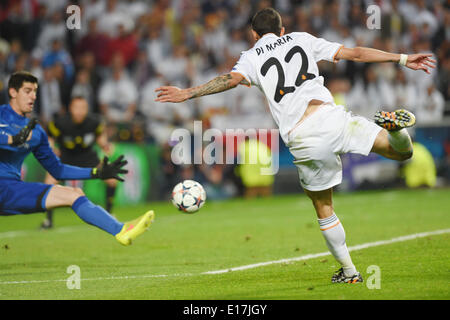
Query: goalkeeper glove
x=108, y=170
x=23, y=134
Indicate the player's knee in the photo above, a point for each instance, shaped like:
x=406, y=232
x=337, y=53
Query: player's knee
x=75, y=193
x=62, y=196
x=78, y=192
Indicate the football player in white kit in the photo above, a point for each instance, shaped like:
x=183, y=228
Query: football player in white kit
x=284, y=67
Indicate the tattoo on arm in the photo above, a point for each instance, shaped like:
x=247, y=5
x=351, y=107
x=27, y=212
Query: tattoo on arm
x=216, y=85
x=245, y=82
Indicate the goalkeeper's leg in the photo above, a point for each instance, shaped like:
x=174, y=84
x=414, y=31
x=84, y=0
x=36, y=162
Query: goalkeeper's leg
x=62, y=196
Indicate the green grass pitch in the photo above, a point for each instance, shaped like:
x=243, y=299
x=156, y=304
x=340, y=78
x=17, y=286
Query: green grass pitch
x=170, y=260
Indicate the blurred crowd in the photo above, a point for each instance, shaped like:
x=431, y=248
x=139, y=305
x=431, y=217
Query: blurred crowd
x=124, y=49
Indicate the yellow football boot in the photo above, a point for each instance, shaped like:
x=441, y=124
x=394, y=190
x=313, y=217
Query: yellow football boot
x=132, y=229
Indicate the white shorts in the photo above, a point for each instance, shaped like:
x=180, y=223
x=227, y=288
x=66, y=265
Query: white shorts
x=317, y=142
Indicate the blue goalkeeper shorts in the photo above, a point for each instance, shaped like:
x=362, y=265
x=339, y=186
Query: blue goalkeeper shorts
x=19, y=197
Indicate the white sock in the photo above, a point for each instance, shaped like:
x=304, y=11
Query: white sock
x=334, y=234
x=400, y=141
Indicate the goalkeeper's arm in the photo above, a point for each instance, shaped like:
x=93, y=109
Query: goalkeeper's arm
x=107, y=170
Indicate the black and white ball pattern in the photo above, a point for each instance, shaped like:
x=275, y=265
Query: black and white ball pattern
x=188, y=196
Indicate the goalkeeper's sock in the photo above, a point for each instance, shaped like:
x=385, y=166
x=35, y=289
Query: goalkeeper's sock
x=400, y=141
x=334, y=234
x=96, y=215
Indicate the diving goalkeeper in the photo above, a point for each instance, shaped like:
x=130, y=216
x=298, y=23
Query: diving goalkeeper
x=18, y=137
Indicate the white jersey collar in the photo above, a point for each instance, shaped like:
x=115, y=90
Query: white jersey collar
x=267, y=35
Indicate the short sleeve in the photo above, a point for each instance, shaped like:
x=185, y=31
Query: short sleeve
x=324, y=50
x=245, y=68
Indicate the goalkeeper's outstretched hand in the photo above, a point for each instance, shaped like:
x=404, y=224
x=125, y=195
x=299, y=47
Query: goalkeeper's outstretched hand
x=108, y=170
x=23, y=134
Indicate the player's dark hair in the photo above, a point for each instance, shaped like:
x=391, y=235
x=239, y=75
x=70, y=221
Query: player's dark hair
x=267, y=20
x=18, y=78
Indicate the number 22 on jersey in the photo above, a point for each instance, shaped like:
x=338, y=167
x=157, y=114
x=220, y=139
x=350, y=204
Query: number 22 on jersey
x=303, y=75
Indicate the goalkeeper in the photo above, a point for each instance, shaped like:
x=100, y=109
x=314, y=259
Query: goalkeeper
x=73, y=137
x=18, y=137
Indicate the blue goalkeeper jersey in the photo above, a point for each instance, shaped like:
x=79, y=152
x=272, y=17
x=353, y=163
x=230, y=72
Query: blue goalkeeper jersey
x=12, y=157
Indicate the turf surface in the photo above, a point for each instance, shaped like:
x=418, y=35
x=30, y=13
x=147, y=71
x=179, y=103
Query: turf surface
x=168, y=262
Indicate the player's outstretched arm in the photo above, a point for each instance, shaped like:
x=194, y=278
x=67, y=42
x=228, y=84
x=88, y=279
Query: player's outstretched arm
x=420, y=61
x=216, y=85
x=60, y=171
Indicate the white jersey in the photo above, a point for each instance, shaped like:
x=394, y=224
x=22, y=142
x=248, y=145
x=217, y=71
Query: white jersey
x=285, y=69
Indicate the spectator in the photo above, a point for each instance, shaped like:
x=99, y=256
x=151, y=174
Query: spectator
x=50, y=103
x=55, y=28
x=425, y=17
x=174, y=67
x=35, y=27
x=405, y=92
x=212, y=105
x=87, y=62
x=112, y=17
x=92, y=9
x=135, y=9
x=237, y=43
x=393, y=24
x=124, y=43
x=247, y=109
x=14, y=51
x=159, y=116
x=118, y=94
x=442, y=35
x=366, y=97
x=58, y=54
x=65, y=85
x=142, y=70
x=161, y=119
x=443, y=80
x=95, y=42
x=4, y=75
x=83, y=88
x=15, y=19
x=409, y=10
x=430, y=107
x=55, y=6
x=36, y=63
x=215, y=38
x=157, y=48
x=317, y=18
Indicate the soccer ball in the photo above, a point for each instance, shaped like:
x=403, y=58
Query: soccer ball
x=188, y=196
